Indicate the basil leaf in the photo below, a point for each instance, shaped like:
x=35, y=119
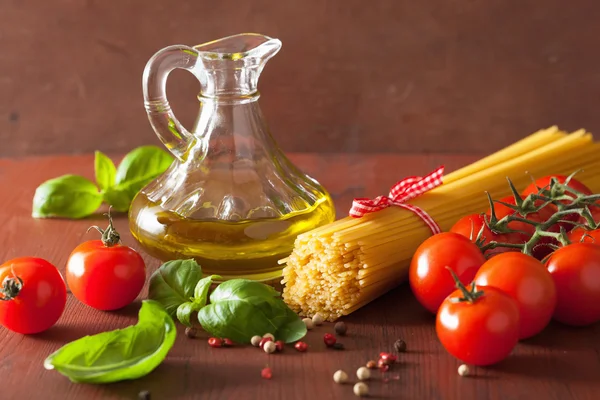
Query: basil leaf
x=173, y=283
x=184, y=312
x=201, y=290
x=240, y=319
x=240, y=289
x=68, y=196
x=143, y=164
x=121, y=354
x=105, y=171
x=118, y=199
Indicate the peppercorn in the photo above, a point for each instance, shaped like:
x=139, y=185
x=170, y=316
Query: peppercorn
x=338, y=346
x=227, y=342
x=266, y=373
x=400, y=346
x=361, y=389
x=371, y=364
x=269, y=335
x=317, y=319
x=340, y=328
x=329, y=339
x=256, y=340
x=363, y=373
x=381, y=363
x=191, y=332
x=301, y=346
x=388, y=358
x=263, y=341
x=340, y=377
x=279, y=345
x=144, y=395
x=384, y=368
x=215, y=342
x=308, y=322
x=463, y=370
x=270, y=347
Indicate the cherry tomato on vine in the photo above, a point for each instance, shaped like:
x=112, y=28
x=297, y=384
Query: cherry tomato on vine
x=542, y=248
x=105, y=274
x=544, y=183
x=576, y=272
x=429, y=279
x=480, y=330
x=527, y=281
x=33, y=295
x=582, y=235
x=470, y=225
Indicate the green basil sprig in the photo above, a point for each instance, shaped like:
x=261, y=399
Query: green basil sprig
x=118, y=355
x=238, y=309
x=73, y=196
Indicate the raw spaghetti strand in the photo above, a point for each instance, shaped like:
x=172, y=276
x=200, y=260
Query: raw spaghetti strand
x=340, y=267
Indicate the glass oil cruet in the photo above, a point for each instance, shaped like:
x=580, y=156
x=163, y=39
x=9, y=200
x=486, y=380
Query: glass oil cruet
x=231, y=199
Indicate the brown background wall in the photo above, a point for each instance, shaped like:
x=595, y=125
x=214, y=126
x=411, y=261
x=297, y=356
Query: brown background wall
x=353, y=76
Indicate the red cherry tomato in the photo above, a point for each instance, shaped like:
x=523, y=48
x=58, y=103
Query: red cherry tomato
x=545, y=184
x=582, y=235
x=483, y=332
x=429, y=279
x=33, y=295
x=469, y=226
x=576, y=272
x=105, y=277
x=527, y=281
x=542, y=248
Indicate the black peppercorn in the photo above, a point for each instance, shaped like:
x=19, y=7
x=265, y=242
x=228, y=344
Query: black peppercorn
x=144, y=395
x=338, y=346
x=400, y=346
x=340, y=328
x=191, y=332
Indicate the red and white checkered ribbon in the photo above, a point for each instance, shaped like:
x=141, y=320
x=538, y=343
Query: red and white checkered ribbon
x=401, y=192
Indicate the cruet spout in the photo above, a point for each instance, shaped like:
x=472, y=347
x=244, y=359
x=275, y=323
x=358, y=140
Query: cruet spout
x=228, y=67
x=231, y=66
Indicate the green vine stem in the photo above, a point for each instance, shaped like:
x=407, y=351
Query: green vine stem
x=110, y=236
x=568, y=202
x=468, y=295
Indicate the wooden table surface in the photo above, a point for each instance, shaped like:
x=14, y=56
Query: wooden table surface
x=561, y=363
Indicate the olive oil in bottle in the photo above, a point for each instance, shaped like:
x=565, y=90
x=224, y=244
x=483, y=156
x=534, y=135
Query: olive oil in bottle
x=232, y=249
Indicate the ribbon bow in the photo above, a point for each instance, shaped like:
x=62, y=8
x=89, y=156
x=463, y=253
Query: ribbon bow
x=400, y=193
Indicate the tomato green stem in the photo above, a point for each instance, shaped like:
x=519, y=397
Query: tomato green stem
x=469, y=295
x=11, y=288
x=110, y=236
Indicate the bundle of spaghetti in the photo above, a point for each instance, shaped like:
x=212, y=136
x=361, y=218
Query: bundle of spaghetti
x=338, y=268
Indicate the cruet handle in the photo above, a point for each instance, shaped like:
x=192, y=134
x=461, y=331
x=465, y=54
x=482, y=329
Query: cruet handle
x=169, y=130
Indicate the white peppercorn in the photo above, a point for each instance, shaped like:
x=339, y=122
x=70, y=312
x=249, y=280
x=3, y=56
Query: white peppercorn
x=269, y=335
x=308, y=322
x=363, y=373
x=270, y=347
x=361, y=389
x=256, y=340
x=317, y=319
x=463, y=370
x=340, y=376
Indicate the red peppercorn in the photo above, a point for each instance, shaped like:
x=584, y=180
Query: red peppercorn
x=301, y=346
x=279, y=345
x=215, y=342
x=227, y=342
x=329, y=339
x=263, y=341
x=388, y=357
x=381, y=363
x=266, y=373
x=384, y=368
